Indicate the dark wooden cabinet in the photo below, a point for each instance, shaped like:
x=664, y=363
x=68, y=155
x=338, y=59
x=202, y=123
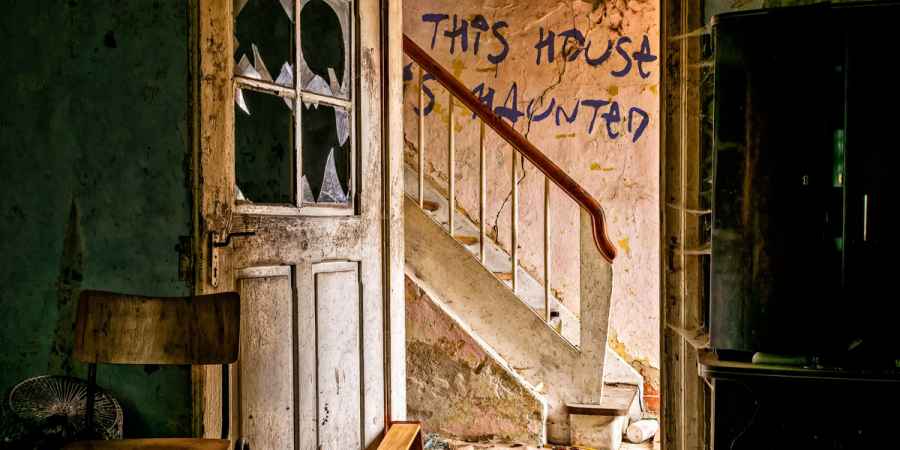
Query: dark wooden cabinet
x=804, y=233
x=770, y=407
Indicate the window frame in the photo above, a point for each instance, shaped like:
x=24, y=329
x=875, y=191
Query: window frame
x=299, y=97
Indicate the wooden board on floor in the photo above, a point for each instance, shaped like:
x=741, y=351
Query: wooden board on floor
x=402, y=436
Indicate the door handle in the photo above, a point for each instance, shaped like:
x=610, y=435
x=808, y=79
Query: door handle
x=865, y=224
x=228, y=237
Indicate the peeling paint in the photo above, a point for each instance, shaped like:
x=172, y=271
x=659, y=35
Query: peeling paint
x=99, y=103
x=454, y=387
x=625, y=246
x=597, y=166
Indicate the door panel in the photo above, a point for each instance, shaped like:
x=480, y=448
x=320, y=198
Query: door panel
x=338, y=372
x=265, y=368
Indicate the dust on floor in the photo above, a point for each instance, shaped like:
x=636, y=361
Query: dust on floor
x=435, y=442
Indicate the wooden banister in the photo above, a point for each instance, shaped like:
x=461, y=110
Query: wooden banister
x=552, y=171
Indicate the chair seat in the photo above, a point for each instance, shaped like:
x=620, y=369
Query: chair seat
x=151, y=444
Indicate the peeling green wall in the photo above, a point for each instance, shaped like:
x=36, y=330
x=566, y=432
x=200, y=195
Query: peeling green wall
x=93, y=150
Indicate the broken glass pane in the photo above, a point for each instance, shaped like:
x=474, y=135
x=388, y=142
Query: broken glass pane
x=306, y=190
x=326, y=153
x=325, y=45
x=264, y=38
x=259, y=65
x=239, y=99
x=286, y=76
x=264, y=149
x=332, y=191
x=239, y=195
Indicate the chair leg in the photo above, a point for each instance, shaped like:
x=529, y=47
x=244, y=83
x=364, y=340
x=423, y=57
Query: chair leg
x=91, y=393
x=226, y=407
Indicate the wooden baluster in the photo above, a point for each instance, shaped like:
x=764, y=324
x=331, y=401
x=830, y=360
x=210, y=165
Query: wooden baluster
x=421, y=138
x=514, y=210
x=451, y=169
x=546, y=249
x=482, y=174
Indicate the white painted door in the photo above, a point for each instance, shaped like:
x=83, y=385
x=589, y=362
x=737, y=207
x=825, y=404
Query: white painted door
x=292, y=207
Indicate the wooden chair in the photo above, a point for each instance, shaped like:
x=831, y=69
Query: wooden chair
x=403, y=436
x=128, y=329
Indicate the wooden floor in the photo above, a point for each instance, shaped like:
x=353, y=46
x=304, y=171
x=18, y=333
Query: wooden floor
x=460, y=445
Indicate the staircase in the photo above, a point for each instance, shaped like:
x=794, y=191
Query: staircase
x=558, y=355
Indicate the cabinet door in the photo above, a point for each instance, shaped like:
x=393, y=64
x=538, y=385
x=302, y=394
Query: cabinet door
x=777, y=250
x=872, y=198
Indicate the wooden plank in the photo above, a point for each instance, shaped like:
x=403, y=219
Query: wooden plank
x=402, y=436
x=429, y=205
x=151, y=444
x=265, y=370
x=338, y=376
x=503, y=276
x=130, y=329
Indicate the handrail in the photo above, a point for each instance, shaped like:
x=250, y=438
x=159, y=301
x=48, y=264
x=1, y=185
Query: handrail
x=518, y=142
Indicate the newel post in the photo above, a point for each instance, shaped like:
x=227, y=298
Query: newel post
x=596, y=295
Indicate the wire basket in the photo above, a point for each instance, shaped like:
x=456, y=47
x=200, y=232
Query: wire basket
x=63, y=401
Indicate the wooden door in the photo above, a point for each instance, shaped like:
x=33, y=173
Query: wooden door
x=294, y=191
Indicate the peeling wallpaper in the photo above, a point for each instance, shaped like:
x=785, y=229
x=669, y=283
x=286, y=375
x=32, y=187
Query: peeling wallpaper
x=582, y=83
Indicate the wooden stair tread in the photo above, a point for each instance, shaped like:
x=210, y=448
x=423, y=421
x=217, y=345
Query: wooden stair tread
x=466, y=240
x=615, y=401
x=503, y=276
x=402, y=436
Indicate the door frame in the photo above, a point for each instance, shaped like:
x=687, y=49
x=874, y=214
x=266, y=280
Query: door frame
x=685, y=397
x=211, y=87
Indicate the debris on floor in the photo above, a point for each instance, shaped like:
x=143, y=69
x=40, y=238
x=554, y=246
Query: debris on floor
x=434, y=442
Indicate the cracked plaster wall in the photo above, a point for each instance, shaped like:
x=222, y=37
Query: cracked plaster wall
x=93, y=154
x=621, y=173
x=455, y=388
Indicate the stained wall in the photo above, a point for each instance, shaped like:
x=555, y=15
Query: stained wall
x=94, y=159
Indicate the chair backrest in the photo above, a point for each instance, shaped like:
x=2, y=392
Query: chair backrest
x=129, y=329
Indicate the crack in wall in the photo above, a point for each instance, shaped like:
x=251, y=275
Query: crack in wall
x=562, y=64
